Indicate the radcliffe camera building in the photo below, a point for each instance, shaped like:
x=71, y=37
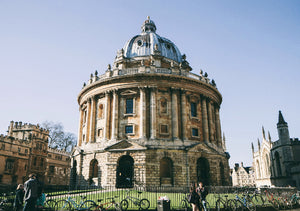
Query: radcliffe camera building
x=149, y=120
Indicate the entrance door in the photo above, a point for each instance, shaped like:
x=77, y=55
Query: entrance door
x=203, y=174
x=125, y=172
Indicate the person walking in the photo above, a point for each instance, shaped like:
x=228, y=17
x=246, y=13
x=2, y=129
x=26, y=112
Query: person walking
x=31, y=193
x=194, y=197
x=18, y=202
x=202, y=192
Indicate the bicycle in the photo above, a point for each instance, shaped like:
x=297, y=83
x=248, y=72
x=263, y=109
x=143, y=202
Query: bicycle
x=111, y=204
x=257, y=199
x=295, y=200
x=184, y=204
x=70, y=204
x=270, y=197
x=6, y=203
x=227, y=204
x=143, y=204
x=50, y=203
x=244, y=203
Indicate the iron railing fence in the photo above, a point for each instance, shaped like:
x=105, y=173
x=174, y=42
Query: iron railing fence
x=152, y=193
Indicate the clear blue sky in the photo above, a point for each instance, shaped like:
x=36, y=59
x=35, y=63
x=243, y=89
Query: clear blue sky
x=251, y=48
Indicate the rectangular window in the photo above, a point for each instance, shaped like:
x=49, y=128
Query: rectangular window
x=194, y=109
x=195, y=132
x=100, y=133
x=164, y=129
x=9, y=164
x=129, y=129
x=51, y=169
x=129, y=106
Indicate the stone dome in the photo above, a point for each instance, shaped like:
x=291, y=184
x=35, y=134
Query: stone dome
x=149, y=43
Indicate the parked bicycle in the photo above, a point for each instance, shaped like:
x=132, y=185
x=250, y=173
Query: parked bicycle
x=271, y=199
x=244, y=203
x=71, y=204
x=111, y=205
x=6, y=202
x=224, y=204
x=143, y=204
x=295, y=200
x=184, y=204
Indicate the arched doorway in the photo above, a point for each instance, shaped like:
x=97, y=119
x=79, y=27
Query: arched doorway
x=203, y=171
x=93, y=170
x=222, y=175
x=73, y=178
x=125, y=172
x=166, y=172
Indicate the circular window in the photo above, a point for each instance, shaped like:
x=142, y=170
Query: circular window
x=140, y=42
x=168, y=46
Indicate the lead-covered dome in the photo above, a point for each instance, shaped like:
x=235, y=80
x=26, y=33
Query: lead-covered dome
x=148, y=42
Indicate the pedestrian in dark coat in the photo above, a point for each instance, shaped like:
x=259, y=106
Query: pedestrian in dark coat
x=31, y=193
x=18, y=202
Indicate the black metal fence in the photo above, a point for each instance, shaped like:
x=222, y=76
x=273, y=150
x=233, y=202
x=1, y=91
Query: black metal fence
x=174, y=194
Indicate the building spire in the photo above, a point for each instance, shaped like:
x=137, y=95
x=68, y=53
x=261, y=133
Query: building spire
x=281, y=119
x=263, y=132
x=258, y=143
x=269, y=137
x=252, y=146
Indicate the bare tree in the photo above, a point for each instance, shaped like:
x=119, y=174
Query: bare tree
x=58, y=138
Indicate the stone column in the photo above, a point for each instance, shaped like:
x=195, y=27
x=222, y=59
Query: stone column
x=204, y=119
x=115, y=122
x=142, y=106
x=174, y=114
x=218, y=127
x=183, y=115
x=210, y=122
x=106, y=116
x=153, y=113
x=80, y=126
x=88, y=121
x=92, y=119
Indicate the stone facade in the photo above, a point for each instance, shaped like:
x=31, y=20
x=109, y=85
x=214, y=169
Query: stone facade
x=25, y=150
x=243, y=176
x=280, y=164
x=149, y=120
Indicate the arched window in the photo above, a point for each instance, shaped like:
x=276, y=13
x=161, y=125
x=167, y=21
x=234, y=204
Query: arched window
x=203, y=171
x=125, y=172
x=267, y=163
x=166, y=171
x=258, y=174
x=101, y=111
x=163, y=105
x=93, y=168
x=222, y=175
x=278, y=166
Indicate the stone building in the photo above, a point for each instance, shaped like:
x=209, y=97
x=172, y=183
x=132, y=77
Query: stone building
x=25, y=150
x=243, y=176
x=149, y=120
x=261, y=161
x=278, y=162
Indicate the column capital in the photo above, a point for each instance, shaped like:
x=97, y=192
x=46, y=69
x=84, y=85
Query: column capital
x=142, y=87
x=183, y=90
x=175, y=88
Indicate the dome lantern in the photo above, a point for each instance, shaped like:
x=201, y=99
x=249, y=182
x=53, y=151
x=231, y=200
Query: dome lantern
x=148, y=26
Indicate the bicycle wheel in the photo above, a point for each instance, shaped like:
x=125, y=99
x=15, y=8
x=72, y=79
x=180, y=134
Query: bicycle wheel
x=144, y=204
x=250, y=205
x=117, y=207
x=50, y=203
x=207, y=206
x=239, y=206
x=219, y=205
x=275, y=204
x=231, y=205
x=258, y=200
x=124, y=204
x=88, y=204
x=63, y=205
x=184, y=204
